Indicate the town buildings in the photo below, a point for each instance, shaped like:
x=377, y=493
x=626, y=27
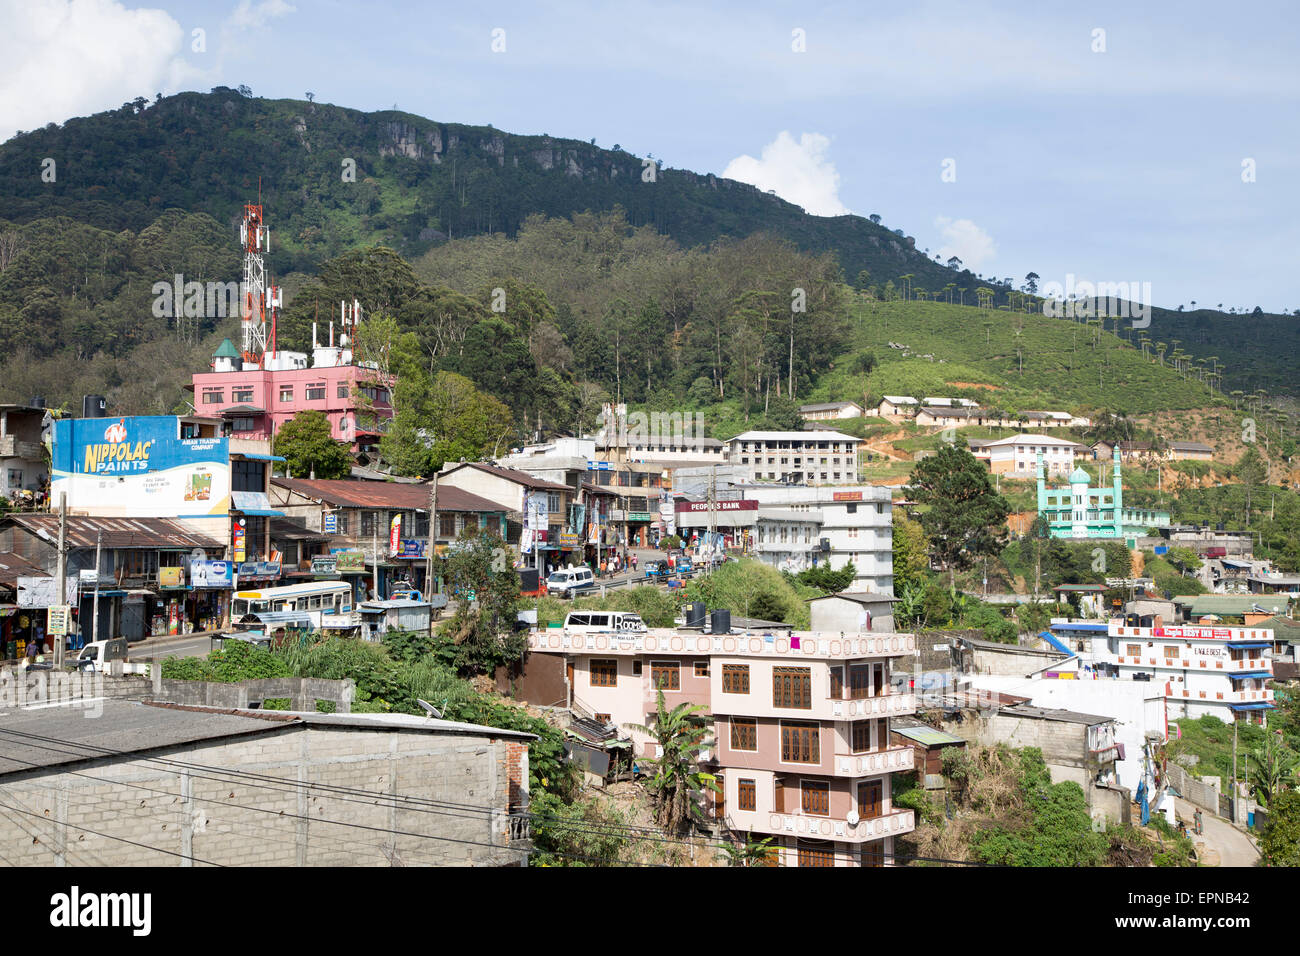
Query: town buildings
x=379, y=530
x=801, y=725
x=257, y=399
x=1082, y=511
x=23, y=471
x=161, y=784
x=830, y=411
x=1016, y=455
x=810, y=457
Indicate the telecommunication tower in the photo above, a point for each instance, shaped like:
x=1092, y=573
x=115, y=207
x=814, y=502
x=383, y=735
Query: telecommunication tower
x=260, y=301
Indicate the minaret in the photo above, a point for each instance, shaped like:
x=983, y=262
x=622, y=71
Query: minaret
x=1119, y=498
x=1042, y=489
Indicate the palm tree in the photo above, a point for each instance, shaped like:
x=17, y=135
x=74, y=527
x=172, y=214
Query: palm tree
x=749, y=852
x=1275, y=768
x=678, y=783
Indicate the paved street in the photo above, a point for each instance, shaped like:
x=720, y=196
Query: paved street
x=1221, y=838
x=180, y=645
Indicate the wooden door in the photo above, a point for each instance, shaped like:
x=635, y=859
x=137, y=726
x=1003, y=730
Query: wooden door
x=568, y=673
x=870, y=799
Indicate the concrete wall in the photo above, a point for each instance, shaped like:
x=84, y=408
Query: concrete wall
x=211, y=816
x=1007, y=660
x=1064, y=744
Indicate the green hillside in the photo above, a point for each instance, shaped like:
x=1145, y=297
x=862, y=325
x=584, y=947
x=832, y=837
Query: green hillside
x=1030, y=362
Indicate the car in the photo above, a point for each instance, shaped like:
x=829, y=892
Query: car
x=568, y=581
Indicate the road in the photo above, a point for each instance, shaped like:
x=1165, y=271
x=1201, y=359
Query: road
x=180, y=645
x=1230, y=845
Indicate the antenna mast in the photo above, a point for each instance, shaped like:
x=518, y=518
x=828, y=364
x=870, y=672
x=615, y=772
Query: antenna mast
x=259, y=300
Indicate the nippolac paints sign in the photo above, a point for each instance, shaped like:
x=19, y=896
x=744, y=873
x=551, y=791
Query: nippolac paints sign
x=116, y=453
x=139, y=467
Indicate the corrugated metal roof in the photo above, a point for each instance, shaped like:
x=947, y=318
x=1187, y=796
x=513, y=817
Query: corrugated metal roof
x=512, y=474
x=928, y=736
x=858, y=597
x=12, y=567
x=394, y=496
x=83, y=530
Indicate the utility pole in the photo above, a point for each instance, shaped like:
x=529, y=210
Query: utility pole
x=713, y=494
x=94, y=632
x=61, y=574
x=433, y=535
x=374, y=554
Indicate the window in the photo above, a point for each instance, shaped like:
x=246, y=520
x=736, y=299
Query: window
x=701, y=668
x=1133, y=650
x=837, y=683
x=552, y=502
x=860, y=681
x=343, y=391
x=243, y=424
x=247, y=475
x=636, y=668
x=604, y=673
x=1171, y=651
x=138, y=564
x=214, y=396
x=801, y=742
x=665, y=675
x=861, y=736
x=746, y=795
x=744, y=733
x=316, y=392
x=735, y=678
x=447, y=525
x=342, y=522
x=870, y=795
x=792, y=687
x=241, y=394
x=816, y=798
x=815, y=853
x=286, y=393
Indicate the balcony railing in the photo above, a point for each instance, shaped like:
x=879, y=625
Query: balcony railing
x=520, y=828
x=804, y=645
x=882, y=705
x=889, y=760
x=1202, y=663
x=894, y=823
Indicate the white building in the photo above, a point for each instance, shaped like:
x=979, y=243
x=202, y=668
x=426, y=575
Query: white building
x=1018, y=454
x=830, y=410
x=810, y=457
x=1222, y=671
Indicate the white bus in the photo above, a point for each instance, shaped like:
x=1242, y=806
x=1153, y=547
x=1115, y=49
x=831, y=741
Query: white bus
x=318, y=600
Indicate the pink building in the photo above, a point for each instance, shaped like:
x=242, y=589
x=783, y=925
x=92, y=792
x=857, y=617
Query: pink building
x=801, y=726
x=256, y=401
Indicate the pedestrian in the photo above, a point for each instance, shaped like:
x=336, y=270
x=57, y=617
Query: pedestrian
x=603, y=565
x=32, y=651
x=634, y=562
x=615, y=564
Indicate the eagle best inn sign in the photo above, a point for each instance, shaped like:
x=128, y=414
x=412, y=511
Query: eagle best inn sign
x=139, y=467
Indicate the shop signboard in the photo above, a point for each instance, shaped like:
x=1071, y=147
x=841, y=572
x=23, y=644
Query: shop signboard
x=323, y=566
x=171, y=577
x=211, y=574
x=350, y=561
x=570, y=542
x=58, y=619
x=412, y=548
x=330, y=523
x=638, y=516
x=139, y=466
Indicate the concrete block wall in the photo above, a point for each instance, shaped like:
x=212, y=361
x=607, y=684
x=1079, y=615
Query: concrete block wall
x=136, y=811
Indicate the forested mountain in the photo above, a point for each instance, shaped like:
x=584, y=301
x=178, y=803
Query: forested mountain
x=671, y=291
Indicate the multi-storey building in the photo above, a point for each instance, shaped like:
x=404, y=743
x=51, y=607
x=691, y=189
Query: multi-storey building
x=1017, y=455
x=801, y=725
x=810, y=457
x=23, y=472
x=257, y=400
x=1223, y=671
x=1083, y=511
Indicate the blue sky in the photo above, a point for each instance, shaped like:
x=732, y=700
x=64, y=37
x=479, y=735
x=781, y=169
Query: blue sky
x=1114, y=156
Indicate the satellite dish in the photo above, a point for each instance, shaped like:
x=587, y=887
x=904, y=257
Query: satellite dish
x=429, y=708
x=853, y=818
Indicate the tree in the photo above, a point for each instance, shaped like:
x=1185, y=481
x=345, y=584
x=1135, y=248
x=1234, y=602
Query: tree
x=1031, y=283
x=478, y=571
x=1274, y=766
x=307, y=444
x=1251, y=471
x=749, y=851
x=965, y=516
x=678, y=785
x=911, y=552
x=1280, y=843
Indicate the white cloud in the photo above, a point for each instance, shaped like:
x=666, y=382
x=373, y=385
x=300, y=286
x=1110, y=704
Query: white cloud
x=248, y=15
x=798, y=172
x=66, y=58
x=967, y=241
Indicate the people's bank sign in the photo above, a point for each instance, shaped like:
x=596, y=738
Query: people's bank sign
x=140, y=467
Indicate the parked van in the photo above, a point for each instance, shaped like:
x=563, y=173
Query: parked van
x=589, y=622
x=567, y=581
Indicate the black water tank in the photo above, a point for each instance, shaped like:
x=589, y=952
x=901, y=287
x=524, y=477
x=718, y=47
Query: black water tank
x=36, y=401
x=1131, y=620
x=94, y=406
x=695, y=614
x=720, y=621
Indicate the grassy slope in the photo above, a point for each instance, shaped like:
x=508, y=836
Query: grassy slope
x=1061, y=367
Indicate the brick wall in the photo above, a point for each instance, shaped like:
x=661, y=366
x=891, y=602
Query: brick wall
x=170, y=814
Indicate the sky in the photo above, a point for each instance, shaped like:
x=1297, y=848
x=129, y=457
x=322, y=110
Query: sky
x=1156, y=143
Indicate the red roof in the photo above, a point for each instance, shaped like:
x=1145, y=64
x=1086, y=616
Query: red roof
x=391, y=495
